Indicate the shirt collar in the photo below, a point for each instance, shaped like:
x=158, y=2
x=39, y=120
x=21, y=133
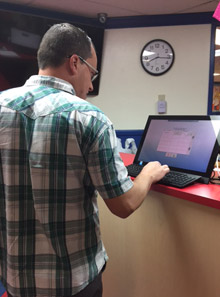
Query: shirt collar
x=50, y=81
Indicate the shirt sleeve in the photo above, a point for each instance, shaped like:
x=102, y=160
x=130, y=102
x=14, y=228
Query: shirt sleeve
x=107, y=170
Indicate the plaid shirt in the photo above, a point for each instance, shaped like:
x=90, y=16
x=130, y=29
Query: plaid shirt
x=56, y=152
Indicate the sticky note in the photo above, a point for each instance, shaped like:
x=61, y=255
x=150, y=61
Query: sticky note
x=216, y=14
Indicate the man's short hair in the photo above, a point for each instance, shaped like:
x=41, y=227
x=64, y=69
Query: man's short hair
x=62, y=41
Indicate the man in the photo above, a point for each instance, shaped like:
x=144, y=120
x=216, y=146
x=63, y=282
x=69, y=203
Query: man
x=56, y=152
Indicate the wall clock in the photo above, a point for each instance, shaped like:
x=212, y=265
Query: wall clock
x=157, y=57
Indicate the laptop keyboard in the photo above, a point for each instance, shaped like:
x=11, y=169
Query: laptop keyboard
x=134, y=169
x=173, y=178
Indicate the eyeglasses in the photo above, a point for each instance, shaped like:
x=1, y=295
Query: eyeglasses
x=95, y=74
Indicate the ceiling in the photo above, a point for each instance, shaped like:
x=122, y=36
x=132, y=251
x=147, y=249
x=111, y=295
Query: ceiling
x=121, y=8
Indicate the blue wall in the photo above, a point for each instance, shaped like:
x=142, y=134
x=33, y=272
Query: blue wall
x=2, y=289
x=124, y=134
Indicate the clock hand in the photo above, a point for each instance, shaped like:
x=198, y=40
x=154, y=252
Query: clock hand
x=149, y=60
x=164, y=57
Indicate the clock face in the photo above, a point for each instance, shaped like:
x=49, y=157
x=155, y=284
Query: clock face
x=157, y=57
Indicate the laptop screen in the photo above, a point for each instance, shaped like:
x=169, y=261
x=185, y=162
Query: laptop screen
x=185, y=143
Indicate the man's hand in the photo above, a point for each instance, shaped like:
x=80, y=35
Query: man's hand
x=155, y=170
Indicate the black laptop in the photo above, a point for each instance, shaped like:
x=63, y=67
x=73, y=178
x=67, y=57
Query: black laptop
x=189, y=145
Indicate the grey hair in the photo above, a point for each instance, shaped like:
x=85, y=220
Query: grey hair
x=60, y=42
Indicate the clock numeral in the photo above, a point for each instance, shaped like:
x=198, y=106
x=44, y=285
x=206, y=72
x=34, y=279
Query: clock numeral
x=156, y=69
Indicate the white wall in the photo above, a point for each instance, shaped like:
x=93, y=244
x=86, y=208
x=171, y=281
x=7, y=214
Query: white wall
x=128, y=94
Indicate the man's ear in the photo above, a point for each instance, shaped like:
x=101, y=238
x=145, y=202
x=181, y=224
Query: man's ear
x=74, y=63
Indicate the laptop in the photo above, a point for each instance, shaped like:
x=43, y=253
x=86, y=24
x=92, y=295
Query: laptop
x=189, y=145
